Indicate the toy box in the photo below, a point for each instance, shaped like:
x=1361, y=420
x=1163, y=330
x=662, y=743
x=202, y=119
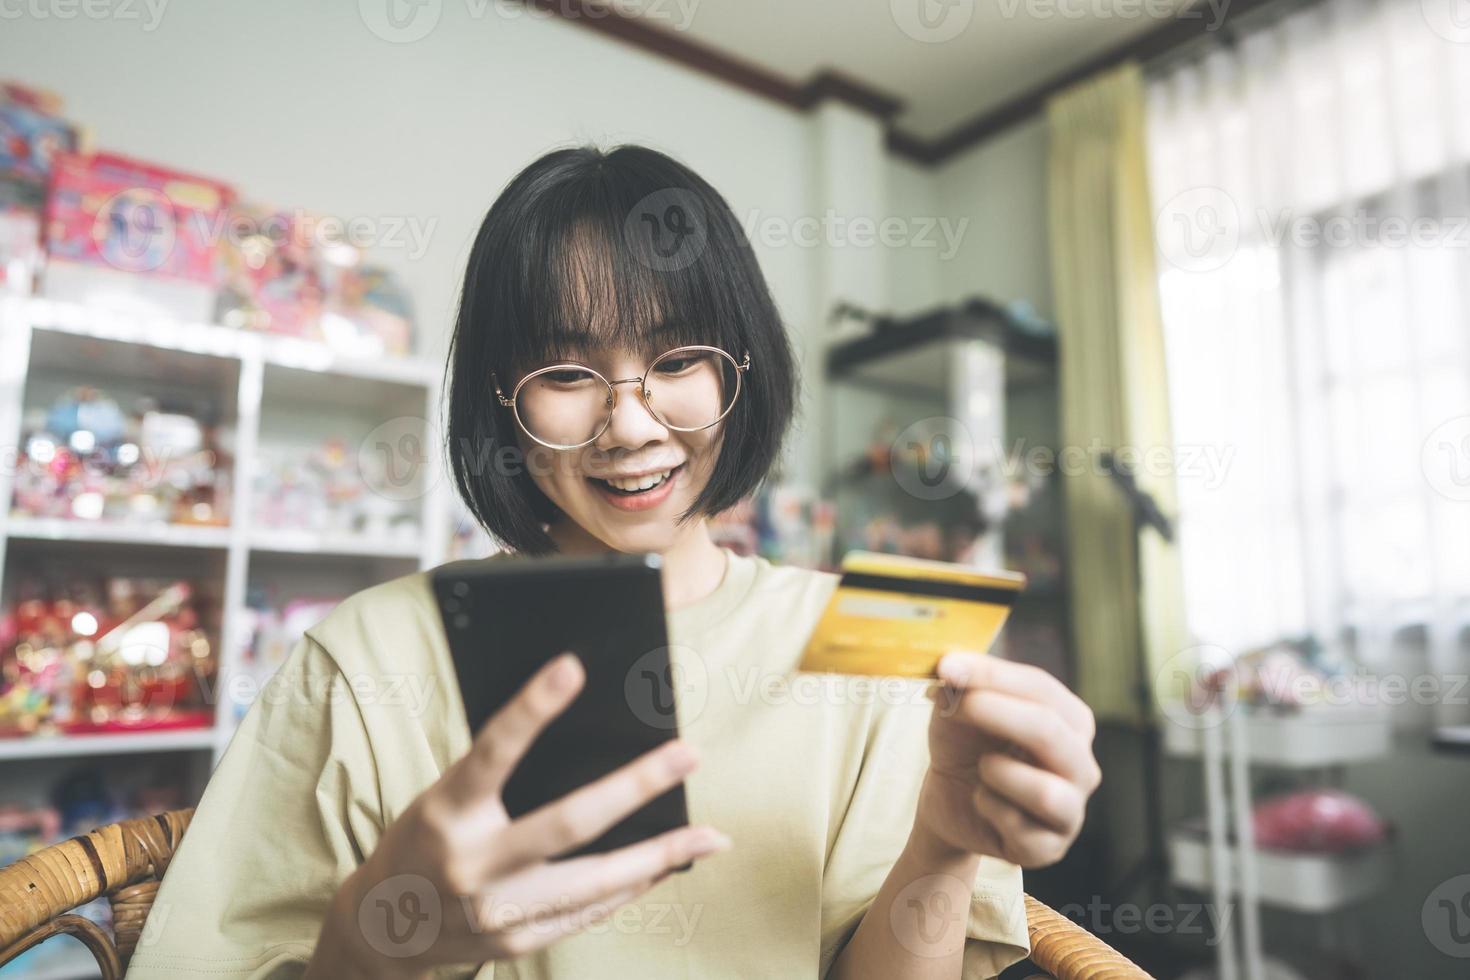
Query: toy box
x=31, y=135
x=132, y=235
x=271, y=272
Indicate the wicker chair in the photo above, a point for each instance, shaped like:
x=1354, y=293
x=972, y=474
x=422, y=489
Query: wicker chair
x=125, y=862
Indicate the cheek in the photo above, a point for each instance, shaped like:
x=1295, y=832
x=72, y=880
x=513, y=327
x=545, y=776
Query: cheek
x=704, y=454
x=547, y=468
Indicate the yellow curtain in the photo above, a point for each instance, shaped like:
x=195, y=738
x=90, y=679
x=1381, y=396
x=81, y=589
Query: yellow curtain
x=1113, y=390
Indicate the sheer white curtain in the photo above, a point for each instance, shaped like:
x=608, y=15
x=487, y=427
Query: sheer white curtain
x=1311, y=182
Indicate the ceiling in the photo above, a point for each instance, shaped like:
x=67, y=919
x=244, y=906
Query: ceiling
x=947, y=61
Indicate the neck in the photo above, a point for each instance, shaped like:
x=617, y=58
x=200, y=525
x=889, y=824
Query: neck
x=693, y=565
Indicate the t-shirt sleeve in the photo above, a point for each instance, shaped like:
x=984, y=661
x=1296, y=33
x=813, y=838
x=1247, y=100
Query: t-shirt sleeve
x=876, y=825
x=290, y=811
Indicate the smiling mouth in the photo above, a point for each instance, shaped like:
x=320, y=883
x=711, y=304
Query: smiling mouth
x=637, y=486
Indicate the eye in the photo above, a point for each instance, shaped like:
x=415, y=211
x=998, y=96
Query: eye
x=565, y=377
x=679, y=365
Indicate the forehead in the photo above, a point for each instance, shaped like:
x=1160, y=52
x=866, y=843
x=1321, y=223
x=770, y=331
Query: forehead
x=590, y=299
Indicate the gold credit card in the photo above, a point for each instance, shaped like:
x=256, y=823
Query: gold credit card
x=895, y=615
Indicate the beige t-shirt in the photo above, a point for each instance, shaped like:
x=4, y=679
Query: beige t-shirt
x=814, y=777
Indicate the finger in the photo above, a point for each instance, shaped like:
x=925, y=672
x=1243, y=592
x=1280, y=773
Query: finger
x=578, y=882
x=545, y=929
x=505, y=738
x=1035, y=728
x=968, y=670
x=585, y=813
x=1024, y=842
x=1045, y=796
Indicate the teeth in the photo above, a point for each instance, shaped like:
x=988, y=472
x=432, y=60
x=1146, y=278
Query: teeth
x=640, y=483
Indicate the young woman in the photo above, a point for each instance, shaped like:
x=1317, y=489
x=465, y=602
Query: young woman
x=619, y=374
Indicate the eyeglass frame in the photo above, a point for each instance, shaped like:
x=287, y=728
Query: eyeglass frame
x=740, y=368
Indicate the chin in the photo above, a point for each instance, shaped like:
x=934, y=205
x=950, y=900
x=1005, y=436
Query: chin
x=657, y=542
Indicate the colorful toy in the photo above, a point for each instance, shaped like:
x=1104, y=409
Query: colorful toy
x=85, y=458
x=124, y=214
x=272, y=273
x=112, y=655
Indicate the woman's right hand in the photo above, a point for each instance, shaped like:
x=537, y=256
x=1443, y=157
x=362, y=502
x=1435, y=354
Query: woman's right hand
x=499, y=892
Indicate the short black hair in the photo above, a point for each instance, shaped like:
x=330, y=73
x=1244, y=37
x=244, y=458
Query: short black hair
x=624, y=246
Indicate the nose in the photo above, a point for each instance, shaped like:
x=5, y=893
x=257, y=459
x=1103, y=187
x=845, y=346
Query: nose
x=632, y=425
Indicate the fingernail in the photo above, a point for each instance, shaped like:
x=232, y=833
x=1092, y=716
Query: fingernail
x=564, y=672
x=708, y=840
x=951, y=666
x=681, y=757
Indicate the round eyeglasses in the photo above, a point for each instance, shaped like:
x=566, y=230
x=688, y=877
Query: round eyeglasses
x=568, y=406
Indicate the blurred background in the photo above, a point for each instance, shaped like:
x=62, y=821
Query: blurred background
x=1162, y=303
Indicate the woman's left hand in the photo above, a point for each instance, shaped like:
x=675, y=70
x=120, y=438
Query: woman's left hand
x=1010, y=761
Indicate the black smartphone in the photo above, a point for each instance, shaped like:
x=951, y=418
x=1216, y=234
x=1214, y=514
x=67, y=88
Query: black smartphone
x=505, y=618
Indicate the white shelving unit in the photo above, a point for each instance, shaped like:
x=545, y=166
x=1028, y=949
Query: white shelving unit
x=1310, y=739
x=1217, y=855
x=1315, y=884
x=271, y=389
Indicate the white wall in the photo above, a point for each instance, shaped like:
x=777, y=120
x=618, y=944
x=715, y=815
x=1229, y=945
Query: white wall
x=1000, y=186
x=992, y=197
x=914, y=272
x=301, y=105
